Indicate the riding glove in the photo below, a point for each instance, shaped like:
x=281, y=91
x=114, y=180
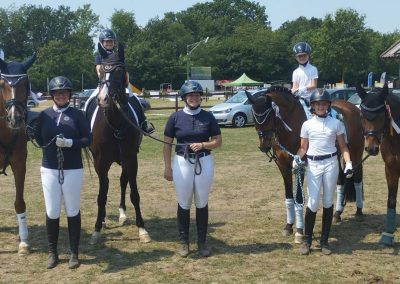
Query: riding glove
x=64, y=142
x=348, y=170
x=297, y=163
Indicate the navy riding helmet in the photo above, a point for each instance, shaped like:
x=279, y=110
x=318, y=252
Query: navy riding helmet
x=317, y=96
x=60, y=83
x=107, y=34
x=301, y=47
x=190, y=87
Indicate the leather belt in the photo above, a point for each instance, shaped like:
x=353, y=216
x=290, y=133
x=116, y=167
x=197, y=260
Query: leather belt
x=322, y=157
x=193, y=155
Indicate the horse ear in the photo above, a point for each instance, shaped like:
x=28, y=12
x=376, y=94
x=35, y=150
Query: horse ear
x=360, y=90
x=101, y=50
x=385, y=91
x=250, y=97
x=28, y=63
x=121, y=52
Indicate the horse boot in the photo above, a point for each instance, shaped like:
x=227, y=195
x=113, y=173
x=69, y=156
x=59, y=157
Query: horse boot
x=326, y=227
x=183, y=228
x=53, y=228
x=74, y=232
x=202, y=224
x=308, y=231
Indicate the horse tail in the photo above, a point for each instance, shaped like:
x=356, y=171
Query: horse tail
x=349, y=190
x=88, y=157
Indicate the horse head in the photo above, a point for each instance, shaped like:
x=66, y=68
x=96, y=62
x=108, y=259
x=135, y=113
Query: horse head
x=113, y=77
x=14, y=91
x=264, y=121
x=374, y=117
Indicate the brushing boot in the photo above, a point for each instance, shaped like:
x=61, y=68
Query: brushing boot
x=308, y=231
x=183, y=229
x=53, y=228
x=74, y=231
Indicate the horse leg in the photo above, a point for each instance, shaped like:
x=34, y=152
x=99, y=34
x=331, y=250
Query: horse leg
x=18, y=167
x=123, y=180
x=101, y=202
x=387, y=237
x=340, y=200
x=135, y=199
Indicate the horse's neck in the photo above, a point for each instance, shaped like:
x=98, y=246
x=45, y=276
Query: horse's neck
x=289, y=109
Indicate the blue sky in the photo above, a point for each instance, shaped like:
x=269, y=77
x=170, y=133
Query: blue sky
x=381, y=16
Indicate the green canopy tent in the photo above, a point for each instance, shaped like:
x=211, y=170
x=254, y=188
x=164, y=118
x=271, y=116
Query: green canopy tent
x=243, y=81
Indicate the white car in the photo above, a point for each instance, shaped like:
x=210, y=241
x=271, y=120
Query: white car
x=236, y=110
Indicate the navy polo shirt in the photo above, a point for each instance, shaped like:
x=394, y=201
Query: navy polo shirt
x=189, y=129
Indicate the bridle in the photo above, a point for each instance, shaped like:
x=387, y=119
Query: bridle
x=13, y=81
x=380, y=133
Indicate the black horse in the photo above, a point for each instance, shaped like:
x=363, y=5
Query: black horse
x=115, y=139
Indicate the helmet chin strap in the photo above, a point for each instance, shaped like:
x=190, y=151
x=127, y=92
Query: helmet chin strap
x=304, y=64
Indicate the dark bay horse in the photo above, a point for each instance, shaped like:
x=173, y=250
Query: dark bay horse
x=115, y=139
x=380, y=118
x=14, y=92
x=279, y=132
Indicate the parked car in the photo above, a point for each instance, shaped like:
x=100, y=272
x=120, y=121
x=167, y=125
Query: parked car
x=31, y=103
x=342, y=93
x=236, y=110
x=79, y=99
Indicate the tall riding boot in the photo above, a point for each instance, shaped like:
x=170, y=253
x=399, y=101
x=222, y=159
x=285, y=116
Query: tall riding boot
x=202, y=224
x=183, y=228
x=308, y=231
x=326, y=227
x=53, y=228
x=74, y=231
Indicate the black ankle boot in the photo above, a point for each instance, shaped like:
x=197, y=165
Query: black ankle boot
x=183, y=229
x=326, y=227
x=308, y=231
x=149, y=129
x=202, y=224
x=53, y=228
x=74, y=231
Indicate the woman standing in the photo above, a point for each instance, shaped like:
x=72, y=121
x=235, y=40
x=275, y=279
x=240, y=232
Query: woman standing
x=63, y=131
x=318, y=137
x=192, y=171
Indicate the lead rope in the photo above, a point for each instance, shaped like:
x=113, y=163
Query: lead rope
x=195, y=161
x=299, y=198
x=60, y=160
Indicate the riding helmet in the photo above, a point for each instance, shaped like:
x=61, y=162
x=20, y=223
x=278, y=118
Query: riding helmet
x=301, y=47
x=317, y=96
x=190, y=87
x=107, y=34
x=60, y=83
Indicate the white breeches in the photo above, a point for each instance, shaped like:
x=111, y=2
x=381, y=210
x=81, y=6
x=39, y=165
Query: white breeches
x=187, y=183
x=54, y=192
x=321, y=175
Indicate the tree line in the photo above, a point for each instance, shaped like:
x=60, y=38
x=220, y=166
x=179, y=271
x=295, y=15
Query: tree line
x=240, y=40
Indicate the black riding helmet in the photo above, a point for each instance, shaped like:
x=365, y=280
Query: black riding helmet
x=316, y=96
x=301, y=47
x=190, y=87
x=107, y=34
x=60, y=83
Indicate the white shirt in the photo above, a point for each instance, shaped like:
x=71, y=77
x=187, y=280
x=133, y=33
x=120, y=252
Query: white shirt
x=303, y=76
x=321, y=134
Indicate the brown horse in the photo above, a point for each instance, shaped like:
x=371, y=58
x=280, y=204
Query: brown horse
x=380, y=118
x=14, y=91
x=279, y=131
x=115, y=139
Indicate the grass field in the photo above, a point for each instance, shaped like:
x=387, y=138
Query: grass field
x=247, y=215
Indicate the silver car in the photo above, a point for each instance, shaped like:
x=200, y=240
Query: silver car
x=236, y=110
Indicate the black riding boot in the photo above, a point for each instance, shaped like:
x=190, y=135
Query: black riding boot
x=202, y=224
x=74, y=231
x=183, y=228
x=53, y=228
x=149, y=129
x=326, y=227
x=308, y=231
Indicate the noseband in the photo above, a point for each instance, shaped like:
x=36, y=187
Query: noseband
x=370, y=114
x=13, y=81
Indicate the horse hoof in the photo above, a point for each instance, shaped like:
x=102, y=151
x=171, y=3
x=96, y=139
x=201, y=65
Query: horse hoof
x=94, y=238
x=144, y=236
x=298, y=238
x=23, y=249
x=336, y=217
x=123, y=220
x=387, y=239
x=287, y=232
